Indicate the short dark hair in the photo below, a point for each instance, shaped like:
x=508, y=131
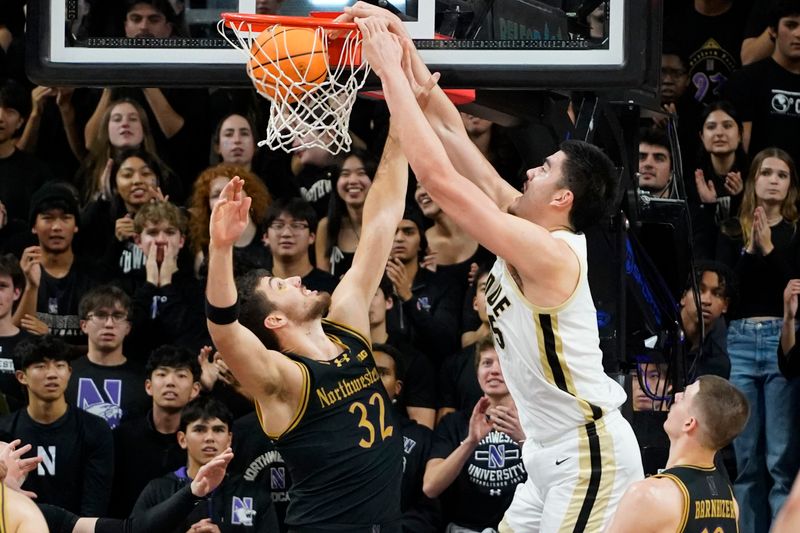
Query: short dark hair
x=413, y=213
x=725, y=276
x=171, y=356
x=386, y=286
x=297, y=208
x=591, y=176
x=14, y=96
x=205, y=408
x=161, y=5
x=103, y=296
x=400, y=364
x=655, y=137
x=35, y=350
x=9, y=266
x=723, y=410
x=781, y=9
x=254, y=306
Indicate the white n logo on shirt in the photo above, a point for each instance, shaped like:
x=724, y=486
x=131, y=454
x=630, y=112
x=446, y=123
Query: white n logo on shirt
x=49, y=460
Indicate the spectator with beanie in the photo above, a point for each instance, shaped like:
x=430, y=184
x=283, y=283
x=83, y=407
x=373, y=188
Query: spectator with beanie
x=75, y=446
x=147, y=447
x=55, y=277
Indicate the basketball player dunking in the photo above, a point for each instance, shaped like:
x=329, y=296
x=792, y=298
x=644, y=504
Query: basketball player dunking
x=317, y=390
x=580, y=453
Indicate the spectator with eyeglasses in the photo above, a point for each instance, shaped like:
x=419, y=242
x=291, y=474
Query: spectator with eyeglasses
x=105, y=382
x=291, y=233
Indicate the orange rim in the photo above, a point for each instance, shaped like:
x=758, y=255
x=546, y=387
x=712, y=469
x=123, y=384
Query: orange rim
x=262, y=22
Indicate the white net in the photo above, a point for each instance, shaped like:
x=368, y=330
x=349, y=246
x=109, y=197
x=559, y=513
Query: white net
x=310, y=108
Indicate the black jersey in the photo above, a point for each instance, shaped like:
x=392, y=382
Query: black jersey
x=342, y=449
x=708, y=503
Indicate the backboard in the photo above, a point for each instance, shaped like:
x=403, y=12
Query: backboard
x=543, y=44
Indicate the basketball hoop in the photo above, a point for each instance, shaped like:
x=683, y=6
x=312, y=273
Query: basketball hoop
x=310, y=108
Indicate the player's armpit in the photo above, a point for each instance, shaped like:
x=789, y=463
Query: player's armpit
x=261, y=372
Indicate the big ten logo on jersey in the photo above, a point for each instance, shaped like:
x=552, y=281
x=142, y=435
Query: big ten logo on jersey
x=48, y=465
x=104, y=404
x=496, y=465
x=496, y=303
x=242, y=512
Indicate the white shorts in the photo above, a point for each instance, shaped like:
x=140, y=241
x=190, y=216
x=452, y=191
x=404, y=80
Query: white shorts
x=575, y=482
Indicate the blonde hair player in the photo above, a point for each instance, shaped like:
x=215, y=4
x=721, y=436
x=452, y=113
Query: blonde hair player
x=690, y=495
x=580, y=453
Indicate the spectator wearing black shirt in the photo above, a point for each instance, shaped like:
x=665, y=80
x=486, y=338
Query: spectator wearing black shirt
x=429, y=304
x=249, y=252
x=314, y=169
x=11, y=283
x=237, y=505
x=707, y=353
x=21, y=174
x=168, y=302
x=291, y=232
x=418, y=401
x=764, y=257
x=420, y=513
x=459, y=389
x=340, y=230
x=104, y=382
x=465, y=448
x=257, y=459
x=710, y=34
x=76, y=446
x=55, y=277
x=765, y=92
x=147, y=447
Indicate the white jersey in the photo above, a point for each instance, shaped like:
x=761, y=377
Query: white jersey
x=551, y=357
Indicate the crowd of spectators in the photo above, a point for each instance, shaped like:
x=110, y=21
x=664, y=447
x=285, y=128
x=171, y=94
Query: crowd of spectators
x=106, y=366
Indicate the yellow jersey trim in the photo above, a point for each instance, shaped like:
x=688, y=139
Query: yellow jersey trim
x=301, y=408
x=685, y=492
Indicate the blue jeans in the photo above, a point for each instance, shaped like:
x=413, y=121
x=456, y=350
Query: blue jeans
x=767, y=450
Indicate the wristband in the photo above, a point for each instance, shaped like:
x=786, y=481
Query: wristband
x=222, y=315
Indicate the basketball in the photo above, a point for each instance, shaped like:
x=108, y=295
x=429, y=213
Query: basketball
x=287, y=61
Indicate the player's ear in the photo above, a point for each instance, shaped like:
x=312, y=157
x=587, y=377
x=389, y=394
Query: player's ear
x=562, y=198
x=275, y=320
x=398, y=386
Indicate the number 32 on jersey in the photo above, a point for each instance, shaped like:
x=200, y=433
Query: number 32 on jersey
x=366, y=413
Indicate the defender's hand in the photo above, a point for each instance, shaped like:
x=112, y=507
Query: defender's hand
x=230, y=216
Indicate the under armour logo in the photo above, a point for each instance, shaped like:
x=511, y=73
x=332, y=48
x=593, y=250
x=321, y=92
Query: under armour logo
x=341, y=360
x=495, y=492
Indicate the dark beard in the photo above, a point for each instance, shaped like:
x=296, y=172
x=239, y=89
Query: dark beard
x=320, y=307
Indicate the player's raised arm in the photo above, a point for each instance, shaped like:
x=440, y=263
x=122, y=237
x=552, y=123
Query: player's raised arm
x=443, y=115
x=531, y=248
x=261, y=372
x=383, y=210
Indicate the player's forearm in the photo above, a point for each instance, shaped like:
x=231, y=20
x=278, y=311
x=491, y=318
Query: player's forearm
x=413, y=131
x=441, y=474
x=168, y=119
x=221, y=286
x=385, y=198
